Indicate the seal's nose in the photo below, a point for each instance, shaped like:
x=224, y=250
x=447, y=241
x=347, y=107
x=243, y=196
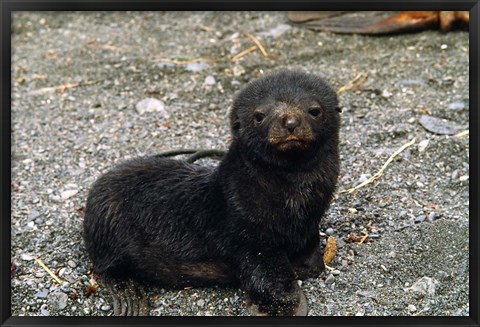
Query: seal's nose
x=290, y=123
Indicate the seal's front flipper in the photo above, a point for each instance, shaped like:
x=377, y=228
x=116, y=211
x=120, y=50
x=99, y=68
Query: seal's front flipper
x=301, y=308
x=129, y=299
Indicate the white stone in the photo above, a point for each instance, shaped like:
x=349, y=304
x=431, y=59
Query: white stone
x=68, y=194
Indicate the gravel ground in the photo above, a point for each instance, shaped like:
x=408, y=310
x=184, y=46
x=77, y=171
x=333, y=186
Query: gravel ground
x=415, y=258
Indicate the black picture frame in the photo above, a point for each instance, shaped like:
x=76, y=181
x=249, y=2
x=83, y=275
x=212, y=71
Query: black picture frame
x=7, y=7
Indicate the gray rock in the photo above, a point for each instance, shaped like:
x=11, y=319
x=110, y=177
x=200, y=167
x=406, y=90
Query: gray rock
x=57, y=300
x=72, y=263
x=439, y=126
x=329, y=231
x=201, y=303
x=33, y=215
x=424, y=287
x=42, y=293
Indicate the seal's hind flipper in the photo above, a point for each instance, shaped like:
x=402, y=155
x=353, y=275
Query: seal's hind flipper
x=129, y=299
x=305, y=16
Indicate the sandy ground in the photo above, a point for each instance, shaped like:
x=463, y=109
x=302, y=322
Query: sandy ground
x=77, y=78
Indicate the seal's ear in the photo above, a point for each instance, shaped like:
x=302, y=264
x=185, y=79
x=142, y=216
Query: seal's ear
x=235, y=124
x=338, y=109
x=235, y=128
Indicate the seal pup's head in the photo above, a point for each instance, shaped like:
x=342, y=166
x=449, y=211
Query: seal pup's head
x=286, y=118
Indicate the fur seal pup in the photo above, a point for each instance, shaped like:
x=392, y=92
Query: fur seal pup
x=252, y=221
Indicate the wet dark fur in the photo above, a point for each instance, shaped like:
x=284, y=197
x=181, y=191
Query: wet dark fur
x=252, y=221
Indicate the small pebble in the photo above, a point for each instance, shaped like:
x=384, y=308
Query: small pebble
x=201, y=303
x=209, y=80
x=72, y=264
x=336, y=272
x=238, y=70
x=43, y=310
x=330, y=279
x=105, y=307
x=422, y=145
x=456, y=105
x=364, y=178
x=411, y=308
x=419, y=219
x=68, y=194
x=329, y=231
x=276, y=31
x=26, y=257
x=454, y=174
x=442, y=275
x=62, y=271
x=431, y=216
x=386, y=93
x=151, y=105
x=196, y=66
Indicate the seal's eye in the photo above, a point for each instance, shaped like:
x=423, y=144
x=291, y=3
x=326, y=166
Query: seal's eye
x=259, y=117
x=314, y=112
